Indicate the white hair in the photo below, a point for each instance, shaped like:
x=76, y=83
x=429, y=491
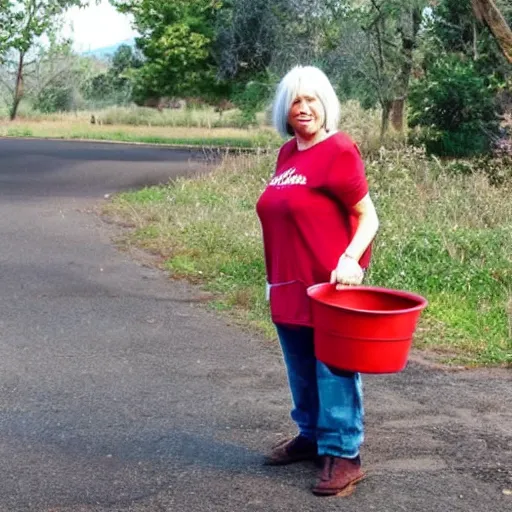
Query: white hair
x=301, y=79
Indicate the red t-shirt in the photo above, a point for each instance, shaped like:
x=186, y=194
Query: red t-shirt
x=307, y=219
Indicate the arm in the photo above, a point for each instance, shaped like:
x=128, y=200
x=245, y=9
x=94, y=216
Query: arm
x=348, y=270
x=368, y=224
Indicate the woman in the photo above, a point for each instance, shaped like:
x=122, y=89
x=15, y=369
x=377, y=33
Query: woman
x=318, y=222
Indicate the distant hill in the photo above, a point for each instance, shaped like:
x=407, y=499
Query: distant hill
x=107, y=51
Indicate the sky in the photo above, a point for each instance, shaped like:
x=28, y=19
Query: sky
x=97, y=26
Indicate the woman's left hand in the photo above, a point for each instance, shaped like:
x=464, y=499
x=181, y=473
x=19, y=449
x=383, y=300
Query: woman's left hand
x=347, y=272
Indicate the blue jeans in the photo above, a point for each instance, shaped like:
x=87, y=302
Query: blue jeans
x=327, y=403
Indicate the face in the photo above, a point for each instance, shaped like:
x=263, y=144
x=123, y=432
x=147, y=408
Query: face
x=306, y=116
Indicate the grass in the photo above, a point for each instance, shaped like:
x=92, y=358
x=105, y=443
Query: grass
x=82, y=130
x=445, y=236
x=206, y=230
x=200, y=126
x=194, y=117
x=448, y=237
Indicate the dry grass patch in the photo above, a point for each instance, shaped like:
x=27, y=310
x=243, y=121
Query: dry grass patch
x=81, y=129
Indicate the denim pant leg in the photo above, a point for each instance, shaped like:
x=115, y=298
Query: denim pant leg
x=340, y=419
x=300, y=362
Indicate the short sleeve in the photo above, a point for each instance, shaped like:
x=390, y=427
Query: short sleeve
x=346, y=178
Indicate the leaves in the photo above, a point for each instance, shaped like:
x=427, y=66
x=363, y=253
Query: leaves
x=176, y=41
x=22, y=21
x=456, y=104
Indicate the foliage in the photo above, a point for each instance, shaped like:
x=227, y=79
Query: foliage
x=462, y=85
x=496, y=167
x=114, y=86
x=176, y=42
x=259, y=41
x=390, y=36
x=54, y=99
x=453, y=28
x=52, y=80
x=457, y=105
x=251, y=97
x=246, y=32
x=23, y=22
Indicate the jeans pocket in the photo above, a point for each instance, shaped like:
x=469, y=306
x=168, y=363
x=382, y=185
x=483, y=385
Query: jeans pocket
x=289, y=303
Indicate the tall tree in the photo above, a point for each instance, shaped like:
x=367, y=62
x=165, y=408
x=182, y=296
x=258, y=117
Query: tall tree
x=22, y=23
x=246, y=37
x=176, y=40
x=260, y=40
x=453, y=27
x=461, y=91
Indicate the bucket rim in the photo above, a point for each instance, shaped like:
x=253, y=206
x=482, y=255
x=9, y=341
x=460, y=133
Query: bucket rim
x=422, y=301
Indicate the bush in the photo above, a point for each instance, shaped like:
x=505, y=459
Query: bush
x=54, y=99
x=496, y=168
x=201, y=117
x=251, y=97
x=468, y=141
x=457, y=106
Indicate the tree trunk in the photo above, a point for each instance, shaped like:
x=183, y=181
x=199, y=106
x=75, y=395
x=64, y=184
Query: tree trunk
x=487, y=12
x=18, y=91
x=384, y=123
x=410, y=26
x=398, y=114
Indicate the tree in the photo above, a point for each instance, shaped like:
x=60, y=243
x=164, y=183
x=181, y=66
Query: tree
x=176, y=42
x=463, y=72
x=383, y=37
x=48, y=78
x=260, y=40
x=53, y=77
x=114, y=86
x=22, y=23
x=454, y=28
x=456, y=106
x=488, y=12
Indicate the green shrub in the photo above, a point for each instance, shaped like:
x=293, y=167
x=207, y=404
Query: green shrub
x=54, y=99
x=497, y=168
x=251, y=97
x=457, y=106
x=19, y=132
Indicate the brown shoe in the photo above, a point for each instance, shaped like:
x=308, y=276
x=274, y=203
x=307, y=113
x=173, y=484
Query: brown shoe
x=338, y=477
x=291, y=450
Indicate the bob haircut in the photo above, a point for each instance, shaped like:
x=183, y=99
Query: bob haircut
x=299, y=80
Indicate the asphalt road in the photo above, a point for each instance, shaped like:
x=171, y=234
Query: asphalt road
x=119, y=391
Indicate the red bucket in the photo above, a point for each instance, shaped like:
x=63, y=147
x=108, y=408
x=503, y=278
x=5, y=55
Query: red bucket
x=364, y=329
